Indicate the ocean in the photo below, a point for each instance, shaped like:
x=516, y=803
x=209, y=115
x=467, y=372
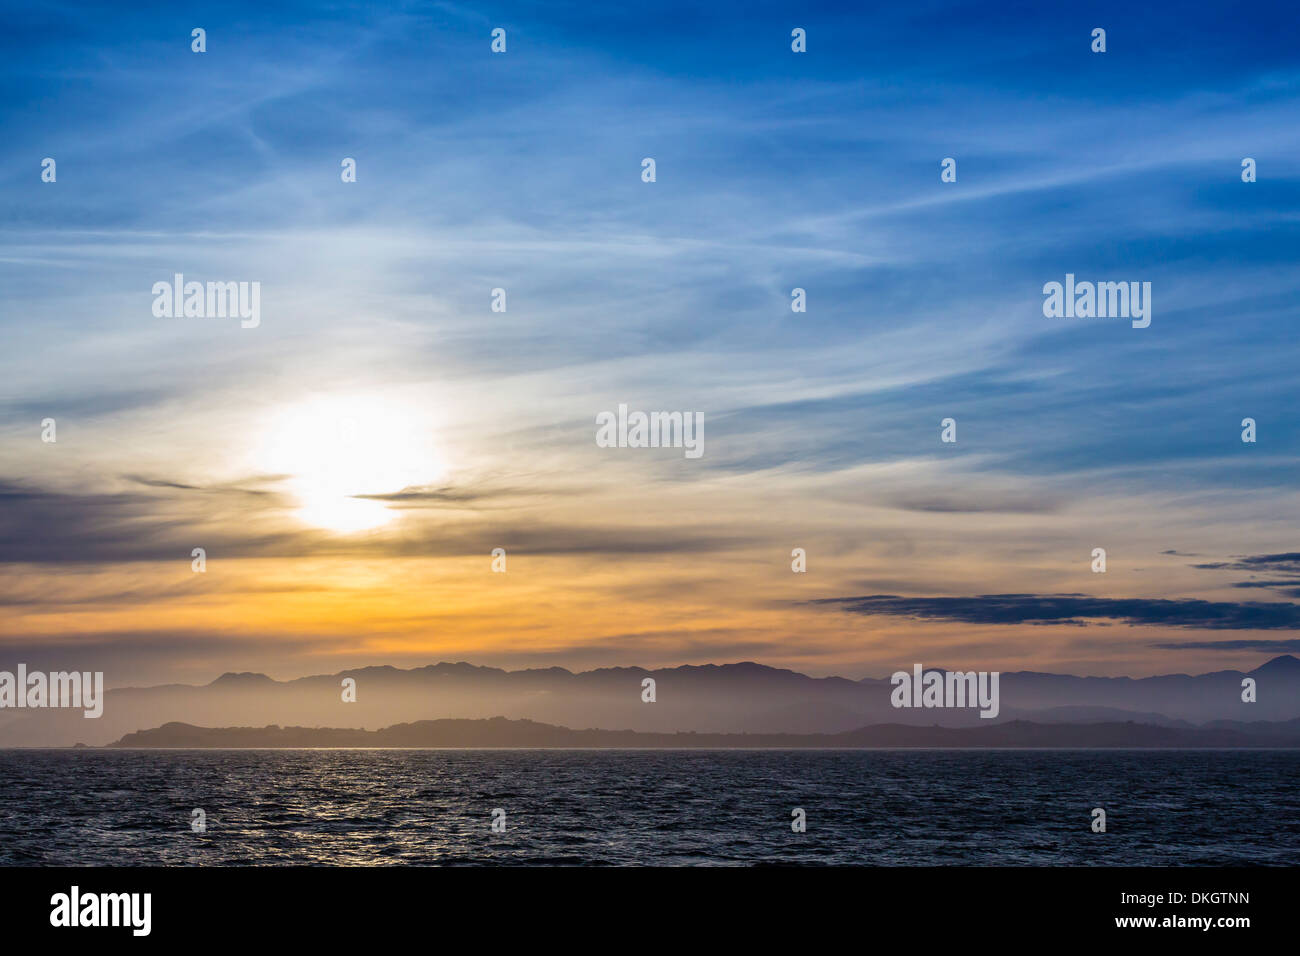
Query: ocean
x=660, y=807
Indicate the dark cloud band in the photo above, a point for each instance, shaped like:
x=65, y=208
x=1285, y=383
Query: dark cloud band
x=1077, y=609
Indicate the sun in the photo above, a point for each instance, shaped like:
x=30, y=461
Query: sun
x=338, y=449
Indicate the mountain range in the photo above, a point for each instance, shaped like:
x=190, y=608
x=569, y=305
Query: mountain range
x=499, y=732
x=728, y=698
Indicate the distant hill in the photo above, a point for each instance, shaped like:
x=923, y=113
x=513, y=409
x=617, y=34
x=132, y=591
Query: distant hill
x=500, y=732
x=733, y=698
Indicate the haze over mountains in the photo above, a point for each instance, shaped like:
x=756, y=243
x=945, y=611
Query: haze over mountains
x=730, y=698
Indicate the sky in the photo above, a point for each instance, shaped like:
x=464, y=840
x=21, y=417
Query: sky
x=349, y=464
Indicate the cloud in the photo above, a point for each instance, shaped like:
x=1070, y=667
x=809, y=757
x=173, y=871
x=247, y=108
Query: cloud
x=79, y=527
x=160, y=483
x=461, y=495
x=237, y=487
x=1077, y=609
x=950, y=503
x=1267, y=647
x=1286, y=562
x=63, y=528
x=1289, y=588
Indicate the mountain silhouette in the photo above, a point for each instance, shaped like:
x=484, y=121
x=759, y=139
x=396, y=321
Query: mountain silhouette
x=743, y=697
x=500, y=732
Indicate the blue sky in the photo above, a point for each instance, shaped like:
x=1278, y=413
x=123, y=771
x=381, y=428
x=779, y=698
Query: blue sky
x=775, y=170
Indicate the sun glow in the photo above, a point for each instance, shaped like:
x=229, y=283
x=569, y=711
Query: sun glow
x=336, y=450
